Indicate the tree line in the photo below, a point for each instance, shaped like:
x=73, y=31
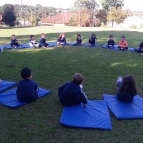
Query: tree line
x=86, y=12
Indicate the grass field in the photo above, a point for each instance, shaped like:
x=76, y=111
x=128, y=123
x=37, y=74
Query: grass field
x=38, y=122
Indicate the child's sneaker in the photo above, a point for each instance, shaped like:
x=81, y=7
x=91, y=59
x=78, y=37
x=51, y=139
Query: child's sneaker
x=142, y=54
x=15, y=47
x=119, y=79
x=1, y=50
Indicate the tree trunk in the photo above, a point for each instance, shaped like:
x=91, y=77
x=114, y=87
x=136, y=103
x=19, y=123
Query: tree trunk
x=112, y=24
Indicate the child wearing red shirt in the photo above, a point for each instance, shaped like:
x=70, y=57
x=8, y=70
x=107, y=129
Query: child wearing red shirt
x=123, y=45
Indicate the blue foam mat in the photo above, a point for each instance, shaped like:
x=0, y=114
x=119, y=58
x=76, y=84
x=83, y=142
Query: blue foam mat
x=94, y=115
x=116, y=48
x=125, y=110
x=9, y=98
x=4, y=85
x=87, y=45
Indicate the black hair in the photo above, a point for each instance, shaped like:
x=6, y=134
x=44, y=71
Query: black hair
x=111, y=36
x=123, y=37
x=25, y=73
x=78, y=35
x=128, y=86
x=31, y=36
x=93, y=34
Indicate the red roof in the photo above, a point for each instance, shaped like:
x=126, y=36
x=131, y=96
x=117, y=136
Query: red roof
x=61, y=18
x=0, y=17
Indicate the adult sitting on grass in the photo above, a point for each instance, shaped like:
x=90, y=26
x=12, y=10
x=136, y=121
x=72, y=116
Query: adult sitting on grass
x=123, y=45
x=27, y=90
x=71, y=93
x=61, y=40
x=126, y=88
x=139, y=49
x=14, y=41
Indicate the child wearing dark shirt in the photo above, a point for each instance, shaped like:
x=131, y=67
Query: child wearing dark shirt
x=78, y=40
x=14, y=41
x=139, y=49
x=126, y=88
x=42, y=42
x=110, y=43
x=71, y=93
x=92, y=40
x=123, y=45
x=27, y=90
x=61, y=40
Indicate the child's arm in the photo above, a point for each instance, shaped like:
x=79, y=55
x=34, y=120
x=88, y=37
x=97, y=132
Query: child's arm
x=65, y=41
x=60, y=89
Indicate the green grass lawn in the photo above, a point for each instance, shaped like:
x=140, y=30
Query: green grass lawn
x=38, y=122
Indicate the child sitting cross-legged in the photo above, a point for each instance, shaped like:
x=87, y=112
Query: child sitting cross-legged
x=42, y=42
x=14, y=41
x=71, y=93
x=27, y=90
x=92, y=40
x=110, y=43
x=139, y=49
x=32, y=42
x=123, y=45
x=61, y=40
x=126, y=88
x=78, y=40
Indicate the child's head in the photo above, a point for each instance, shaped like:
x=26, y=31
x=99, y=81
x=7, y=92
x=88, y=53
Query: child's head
x=32, y=37
x=42, y=35
x=77, y=79
x=78, y=36
x=128, y=85
x=13, y=36
x=63, y=35
x=111, y=37
x=93, y=36
x=26, y=73
x=123, y=38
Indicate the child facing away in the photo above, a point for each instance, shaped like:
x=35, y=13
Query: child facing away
x=126, y=88
x=14, y=41
x=27, y=90
x=92, y=40
x=61, y=40
x=123, y=45
x=71, y=93
x=78, y=40
x=139, y=49
x=42, y=42
x=111, y=42
x=32, y=42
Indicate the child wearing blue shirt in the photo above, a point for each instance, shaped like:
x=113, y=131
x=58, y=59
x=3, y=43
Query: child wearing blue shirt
x=61, y=40
x=126, y=88
x=42, y=42
x=71, y=93
x=110, y=43
x=92, y=40
x=27, y=90
x=78, y=40
x=14, y=41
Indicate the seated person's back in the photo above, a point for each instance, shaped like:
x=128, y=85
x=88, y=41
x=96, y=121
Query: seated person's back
x=27, y=90
x=71, y=93
x=126, y=88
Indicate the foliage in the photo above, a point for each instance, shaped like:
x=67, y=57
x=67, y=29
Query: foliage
x=8, y=15
x=117, y=15
x=106, y=4
x=102, y=16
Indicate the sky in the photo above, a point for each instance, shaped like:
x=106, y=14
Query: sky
x=136, y=5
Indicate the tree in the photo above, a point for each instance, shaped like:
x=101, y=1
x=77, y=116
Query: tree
x=106, y=4
x=102, y=16
x=8, y=15
x=117, y=15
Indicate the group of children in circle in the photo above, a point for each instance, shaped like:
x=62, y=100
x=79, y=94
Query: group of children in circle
x=71, y=93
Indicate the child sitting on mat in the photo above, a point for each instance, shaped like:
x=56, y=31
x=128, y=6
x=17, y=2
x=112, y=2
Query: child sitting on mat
x=92, y=40
x=123, y=45
x=139, y=49
x=126, y=88
x=27, y=90
x=43, y=41
x=33, y=43
x=110, y=43
x=71, y=93
x=61, y=40
x=14, y=41
x=78, y=40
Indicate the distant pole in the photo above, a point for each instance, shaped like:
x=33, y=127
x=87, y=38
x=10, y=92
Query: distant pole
x=94, y=17
x=79, y=16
